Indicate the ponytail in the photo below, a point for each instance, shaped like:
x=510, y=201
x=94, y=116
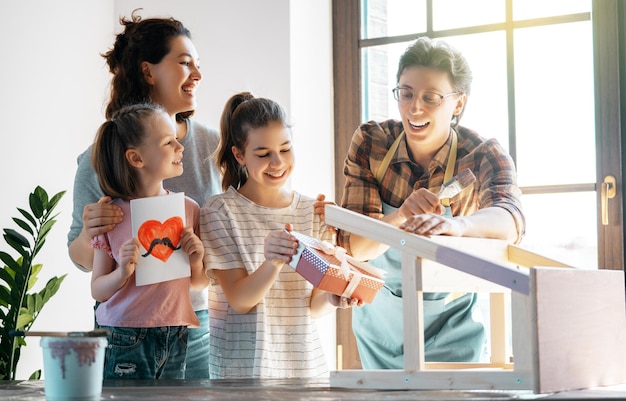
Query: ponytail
x=242, y=113
x=127, y=129
x=233, y=173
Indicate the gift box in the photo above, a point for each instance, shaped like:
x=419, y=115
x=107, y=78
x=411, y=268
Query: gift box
x=329, y=268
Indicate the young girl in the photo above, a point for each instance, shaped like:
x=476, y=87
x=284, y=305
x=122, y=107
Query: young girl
x=132, y=154
x=260, y=309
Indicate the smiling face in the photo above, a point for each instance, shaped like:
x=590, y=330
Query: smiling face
x=175, y=78
x=427, y=125
x=160, y=155
x=268, y=156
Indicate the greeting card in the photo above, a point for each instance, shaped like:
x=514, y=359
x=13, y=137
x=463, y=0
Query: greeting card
x=158, y=222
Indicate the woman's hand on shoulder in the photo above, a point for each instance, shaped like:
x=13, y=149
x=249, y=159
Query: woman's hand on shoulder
x=101, y=217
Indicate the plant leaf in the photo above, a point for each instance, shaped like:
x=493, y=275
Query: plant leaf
x=42, y=195
x=39, y=302
x=5, y=296
x=36, y=204
x=37, y=248
x=11, y=264
x=52, y=286
x=7, y=278
x=55, y=199
x=23, y=319
x=3, y=315
x=45, y=228
x=48, y=216
x=28, y=216
x=36, y=268
x=17, y=237
x=18, y=307
x=24, y=225
x=17, y=246
x=34, y=275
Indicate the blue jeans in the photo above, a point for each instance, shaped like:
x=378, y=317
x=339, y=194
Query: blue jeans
x=146, y=353
x=198, y=349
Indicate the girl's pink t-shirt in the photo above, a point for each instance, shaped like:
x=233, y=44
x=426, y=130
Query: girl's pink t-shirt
x=154, y=305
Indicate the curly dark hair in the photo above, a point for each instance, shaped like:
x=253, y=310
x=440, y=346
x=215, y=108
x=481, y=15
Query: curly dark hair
x=141, y=40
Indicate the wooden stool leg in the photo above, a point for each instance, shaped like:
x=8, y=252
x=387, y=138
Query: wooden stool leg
x=499, y=328
x=413, y=313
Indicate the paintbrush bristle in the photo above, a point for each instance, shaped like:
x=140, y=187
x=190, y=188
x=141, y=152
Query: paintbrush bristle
x=465, y=178
x=458, y=183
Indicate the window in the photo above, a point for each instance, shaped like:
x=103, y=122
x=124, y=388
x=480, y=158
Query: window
x=546, y=84
x=528, y=62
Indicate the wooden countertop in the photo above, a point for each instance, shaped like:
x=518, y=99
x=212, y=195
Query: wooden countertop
x=288, y=390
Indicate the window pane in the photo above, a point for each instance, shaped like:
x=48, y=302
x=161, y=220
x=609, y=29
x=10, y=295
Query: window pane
x=527, y=9
x=486, y=111
x=554, y=104
x=556, y=228
x=380, y=64
x=392, y=17
x=450, y=14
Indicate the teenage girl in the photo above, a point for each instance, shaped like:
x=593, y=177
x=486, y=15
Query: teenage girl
x=261, y=311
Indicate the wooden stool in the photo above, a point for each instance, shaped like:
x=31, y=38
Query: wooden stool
x=568, y=325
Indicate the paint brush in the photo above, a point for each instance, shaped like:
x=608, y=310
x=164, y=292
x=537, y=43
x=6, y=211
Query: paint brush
x=92, y=333
x=458, y=183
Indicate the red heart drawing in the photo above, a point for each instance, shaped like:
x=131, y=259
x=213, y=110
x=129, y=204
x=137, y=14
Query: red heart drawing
x=154, y=229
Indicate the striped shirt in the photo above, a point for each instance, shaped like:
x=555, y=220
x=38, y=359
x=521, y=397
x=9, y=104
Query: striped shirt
x=277, y=338
x=496, y=178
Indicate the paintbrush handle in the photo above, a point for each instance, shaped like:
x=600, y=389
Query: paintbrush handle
x=450, y=190
x=92, y=333
x=21, y=333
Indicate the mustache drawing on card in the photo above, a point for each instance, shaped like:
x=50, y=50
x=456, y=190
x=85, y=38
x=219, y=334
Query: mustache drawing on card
x=157, y=223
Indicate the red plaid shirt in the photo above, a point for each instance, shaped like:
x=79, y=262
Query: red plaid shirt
x=496, y=178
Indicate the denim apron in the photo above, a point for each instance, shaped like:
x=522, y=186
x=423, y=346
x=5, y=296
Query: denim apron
x=450, y=332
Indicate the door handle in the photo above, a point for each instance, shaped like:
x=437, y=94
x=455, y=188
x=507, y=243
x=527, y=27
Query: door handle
x=607, y=192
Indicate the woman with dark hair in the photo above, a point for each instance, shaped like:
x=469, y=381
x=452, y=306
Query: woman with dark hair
x=152, y=60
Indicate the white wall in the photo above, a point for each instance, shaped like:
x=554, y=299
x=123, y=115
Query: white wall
x=53, y=88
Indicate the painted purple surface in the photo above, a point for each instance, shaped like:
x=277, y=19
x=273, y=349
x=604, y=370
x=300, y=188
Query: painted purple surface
x=507, y=277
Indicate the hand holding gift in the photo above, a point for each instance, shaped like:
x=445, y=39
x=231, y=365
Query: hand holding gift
x=343, y=302
x=329, y=268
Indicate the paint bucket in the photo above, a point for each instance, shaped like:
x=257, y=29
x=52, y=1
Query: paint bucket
x=73, y=367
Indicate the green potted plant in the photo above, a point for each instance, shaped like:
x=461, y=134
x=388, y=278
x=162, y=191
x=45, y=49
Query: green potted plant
x=19, y=305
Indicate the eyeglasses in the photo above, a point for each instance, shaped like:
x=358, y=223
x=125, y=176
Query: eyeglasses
x=407, y=95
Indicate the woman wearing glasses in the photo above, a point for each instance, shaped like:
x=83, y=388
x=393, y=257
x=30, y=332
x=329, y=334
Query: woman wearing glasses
x=394, y=170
